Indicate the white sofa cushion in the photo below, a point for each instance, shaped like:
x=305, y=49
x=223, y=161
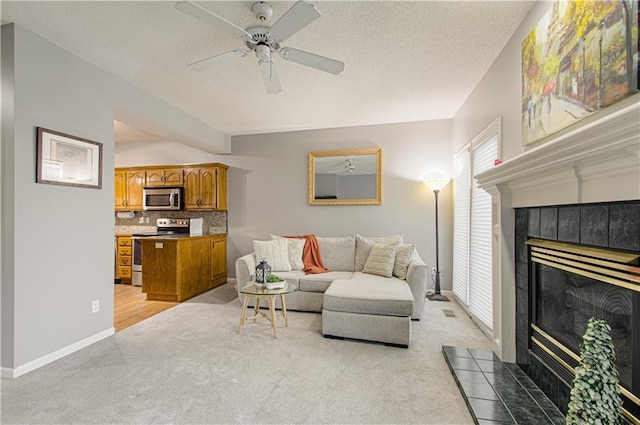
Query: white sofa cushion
x=275, y=252
x=320, y=282
x=337, y=252
x=369, y=295
x=295, y=248
x=364, y=245
x=381, y=259
x=403, y=258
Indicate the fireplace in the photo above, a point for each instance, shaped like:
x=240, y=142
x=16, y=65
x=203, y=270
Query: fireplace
x=575, y=262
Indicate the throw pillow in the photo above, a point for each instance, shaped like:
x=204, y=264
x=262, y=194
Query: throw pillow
x=275, y=252
x=381, y=259
x=403, y=258
x=295, y=247
x=364, y=245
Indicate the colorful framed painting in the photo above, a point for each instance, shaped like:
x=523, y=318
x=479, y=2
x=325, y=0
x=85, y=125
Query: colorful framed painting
x=68, y=160
x=581, y=57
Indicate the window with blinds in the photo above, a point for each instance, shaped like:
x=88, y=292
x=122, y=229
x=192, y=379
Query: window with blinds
x=461, y=221
x=472, y=237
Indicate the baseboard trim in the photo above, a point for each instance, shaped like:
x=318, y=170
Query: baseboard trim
x=9, y=373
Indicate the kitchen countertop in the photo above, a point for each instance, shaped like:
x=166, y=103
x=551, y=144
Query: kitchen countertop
x=129, y=230
x=181, y=236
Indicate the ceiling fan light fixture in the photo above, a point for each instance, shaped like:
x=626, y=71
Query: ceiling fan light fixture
x=263, y=52
x=262, y=10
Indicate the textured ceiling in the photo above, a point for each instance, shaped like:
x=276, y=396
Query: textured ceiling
x=404, y=61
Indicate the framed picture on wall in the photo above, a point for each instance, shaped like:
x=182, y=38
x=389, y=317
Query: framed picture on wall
x=581, y=57
x=68, y=160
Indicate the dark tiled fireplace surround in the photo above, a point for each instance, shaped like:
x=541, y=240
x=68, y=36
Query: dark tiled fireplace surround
x=604, y=225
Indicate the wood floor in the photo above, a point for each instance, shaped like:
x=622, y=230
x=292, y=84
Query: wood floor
x=130, y=306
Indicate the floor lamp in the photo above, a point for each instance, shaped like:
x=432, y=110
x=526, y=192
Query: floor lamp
x=435, y=181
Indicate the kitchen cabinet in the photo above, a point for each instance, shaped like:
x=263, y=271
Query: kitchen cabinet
x=176, y=269
x=124, y=256
x=173, y=177
x=205, y=187
x=128, y=190
x=219, y=258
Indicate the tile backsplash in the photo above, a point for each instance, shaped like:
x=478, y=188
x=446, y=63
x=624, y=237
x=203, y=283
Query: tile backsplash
x=214, y=221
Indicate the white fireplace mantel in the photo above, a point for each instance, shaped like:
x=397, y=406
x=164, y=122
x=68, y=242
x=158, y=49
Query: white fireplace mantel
x=597, y=162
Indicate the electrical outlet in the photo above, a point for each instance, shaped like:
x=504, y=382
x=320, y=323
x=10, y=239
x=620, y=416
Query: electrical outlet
x=95, y=306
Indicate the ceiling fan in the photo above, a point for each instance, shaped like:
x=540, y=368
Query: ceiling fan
x=265, y=40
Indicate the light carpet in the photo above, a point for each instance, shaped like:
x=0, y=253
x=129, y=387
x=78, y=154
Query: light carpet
x=188, y=365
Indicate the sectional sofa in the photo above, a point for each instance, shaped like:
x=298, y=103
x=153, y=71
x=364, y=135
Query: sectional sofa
x=356, y=299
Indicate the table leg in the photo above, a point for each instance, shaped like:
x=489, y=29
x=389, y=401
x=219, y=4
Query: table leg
x=243, y=314
x=256, y=308
x=272, y=310
x=284, y=311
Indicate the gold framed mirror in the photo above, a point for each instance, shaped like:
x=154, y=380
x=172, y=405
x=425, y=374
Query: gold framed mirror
x=345, y=177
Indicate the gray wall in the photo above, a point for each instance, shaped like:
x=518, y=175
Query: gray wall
x=57, y=242
x=499, y=93
x=268, y=187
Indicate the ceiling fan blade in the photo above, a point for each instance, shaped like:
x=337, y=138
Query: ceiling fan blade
x=211, y=18
x=299, y=16
x=216, y=60
x=270, y=77
x=331, y=66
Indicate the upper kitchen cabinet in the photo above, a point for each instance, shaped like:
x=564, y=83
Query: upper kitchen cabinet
x=205, y=187
x=128, y=190
x=164, y=177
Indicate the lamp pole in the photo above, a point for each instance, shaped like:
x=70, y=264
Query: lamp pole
x=437, y=296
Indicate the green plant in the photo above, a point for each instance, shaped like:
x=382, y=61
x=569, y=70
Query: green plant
x=595, y=395
x=273, y=278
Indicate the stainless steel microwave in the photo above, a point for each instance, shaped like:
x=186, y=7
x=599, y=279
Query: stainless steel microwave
x=162, y=198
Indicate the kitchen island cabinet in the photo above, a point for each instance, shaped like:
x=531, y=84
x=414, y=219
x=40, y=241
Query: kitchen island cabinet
x=179, y=268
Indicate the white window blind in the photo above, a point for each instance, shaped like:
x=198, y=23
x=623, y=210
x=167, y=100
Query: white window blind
x=480, y=238
x=461, y=202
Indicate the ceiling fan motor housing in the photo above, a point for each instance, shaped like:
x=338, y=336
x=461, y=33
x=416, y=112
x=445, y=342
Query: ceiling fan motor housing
x=262, y=10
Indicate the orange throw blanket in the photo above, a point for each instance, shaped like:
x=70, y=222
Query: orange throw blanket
x=311, y=255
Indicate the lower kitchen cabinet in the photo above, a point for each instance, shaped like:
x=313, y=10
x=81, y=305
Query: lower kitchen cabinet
x=176, y=269
x=125, y=249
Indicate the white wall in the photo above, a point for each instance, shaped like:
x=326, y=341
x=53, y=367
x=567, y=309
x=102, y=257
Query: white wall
x=57, y=241
x=268, y=187
x=161, y=153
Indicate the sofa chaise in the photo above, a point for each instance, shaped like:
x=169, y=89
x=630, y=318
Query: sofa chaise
x=356, y=299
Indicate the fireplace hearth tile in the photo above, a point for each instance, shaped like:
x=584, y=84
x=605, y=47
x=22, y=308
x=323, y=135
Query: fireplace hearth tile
x=624, y=226
x=483, y=354
x=549, y=223
x=457, y=352
x=492, y=366
x=594, y=225
x=507, y=397
x=525, y=415
x=490, y=409
x=476, y=390
x=463, y=363
x=557, y=418
x=470, y=376
x=569, y=224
